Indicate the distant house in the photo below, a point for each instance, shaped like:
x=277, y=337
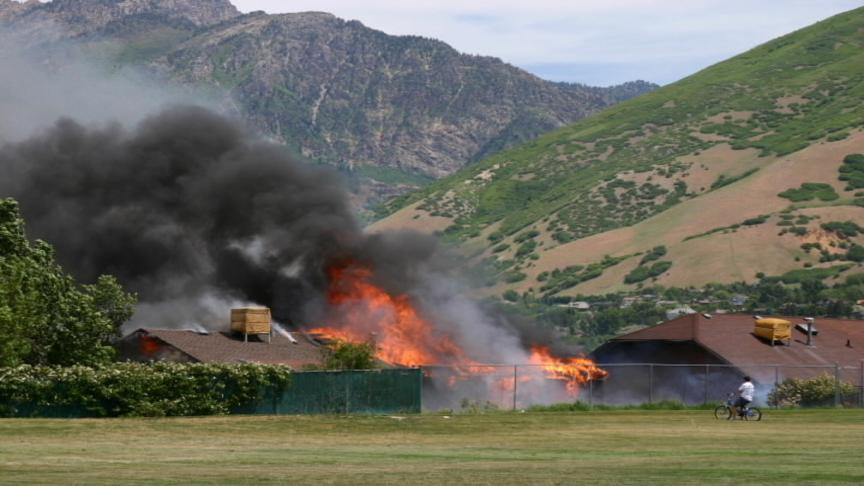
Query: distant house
x=629, y=301
x=219, y=347
x=703, y=357
x=577, y=305
x=679, y=311
x=738, y=300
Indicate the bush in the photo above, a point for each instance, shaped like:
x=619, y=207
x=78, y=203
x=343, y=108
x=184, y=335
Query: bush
x=344, y=355
x=856, y=253
x=852, y=171
x=137, y=389
x=655, y=254
x=510, y=295
x=813, y=274
x=563, y=236
x=640, y=274
x=526, y=248
x=528, y=235
x=846, y=229
x=813, y=392
x=754, y=221
x=500, y=248
x=513, y=277
x=809, y=191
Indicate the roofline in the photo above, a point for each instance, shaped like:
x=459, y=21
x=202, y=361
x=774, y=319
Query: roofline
x=166, y=343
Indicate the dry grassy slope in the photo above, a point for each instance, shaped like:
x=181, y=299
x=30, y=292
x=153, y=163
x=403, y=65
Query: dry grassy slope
x=641, y=174
x=720, y=257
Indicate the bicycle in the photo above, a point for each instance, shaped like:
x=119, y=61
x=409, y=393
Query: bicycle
x=728, y=411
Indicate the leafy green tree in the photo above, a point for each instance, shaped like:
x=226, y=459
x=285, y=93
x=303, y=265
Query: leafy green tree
x=45, y=316
x=344, y=355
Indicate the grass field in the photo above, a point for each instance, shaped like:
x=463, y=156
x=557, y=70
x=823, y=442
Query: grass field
x=620, y=447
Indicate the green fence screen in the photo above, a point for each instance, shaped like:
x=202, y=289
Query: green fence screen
x=373, y=392
x=387, y=391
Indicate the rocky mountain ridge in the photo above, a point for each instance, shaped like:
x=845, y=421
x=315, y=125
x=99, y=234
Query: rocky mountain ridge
x=392, y=110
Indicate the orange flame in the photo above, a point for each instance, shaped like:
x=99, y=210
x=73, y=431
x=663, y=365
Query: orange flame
x=573, y=371
x=366, y=312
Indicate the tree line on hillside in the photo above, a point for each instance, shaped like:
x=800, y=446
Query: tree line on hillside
x=611, y=314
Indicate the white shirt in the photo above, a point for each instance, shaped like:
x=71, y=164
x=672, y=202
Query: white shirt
x=746, y=390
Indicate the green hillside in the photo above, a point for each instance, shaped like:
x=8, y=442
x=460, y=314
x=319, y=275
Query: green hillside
x=705, y=138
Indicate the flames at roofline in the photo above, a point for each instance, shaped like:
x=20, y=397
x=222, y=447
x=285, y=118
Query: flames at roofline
x=364, y=312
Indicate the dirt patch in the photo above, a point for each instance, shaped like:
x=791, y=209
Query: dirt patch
x=707, y=167
x=411, y=218
x=488, y=174
x=828, y=241
x=784, y=104
x=756, y=138
x=730, y=116
x=650, y=177
x=710, y=137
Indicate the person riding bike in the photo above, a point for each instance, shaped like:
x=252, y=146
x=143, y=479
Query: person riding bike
x=745, y=396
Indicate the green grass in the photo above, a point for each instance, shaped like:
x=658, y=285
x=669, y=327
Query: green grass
x=617, y=447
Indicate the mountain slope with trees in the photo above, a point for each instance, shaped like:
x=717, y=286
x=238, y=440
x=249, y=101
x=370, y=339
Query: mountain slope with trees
x=734, y=171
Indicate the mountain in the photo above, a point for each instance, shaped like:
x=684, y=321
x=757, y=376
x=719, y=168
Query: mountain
x=397, y=111
x=747, y=167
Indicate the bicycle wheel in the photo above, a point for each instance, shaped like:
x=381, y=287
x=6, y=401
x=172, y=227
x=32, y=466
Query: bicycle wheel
x=754, y=415
x=722, y=412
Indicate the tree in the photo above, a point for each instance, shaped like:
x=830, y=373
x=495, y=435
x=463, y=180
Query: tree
x=45, y=316
x=344, y=355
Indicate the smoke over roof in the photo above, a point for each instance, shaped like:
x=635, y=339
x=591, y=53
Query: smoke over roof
x=188, y=204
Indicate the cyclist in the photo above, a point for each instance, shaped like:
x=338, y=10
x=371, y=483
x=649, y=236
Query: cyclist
x=745, y=396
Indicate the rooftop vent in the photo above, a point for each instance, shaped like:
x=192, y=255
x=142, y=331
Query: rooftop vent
x=773, y=329
x=251, y=320
x=808, y=328
x=803, y=328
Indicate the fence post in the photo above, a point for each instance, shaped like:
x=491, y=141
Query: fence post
x=861, y=388
x=776, y=384
x=836, y=385
x=705, y=398
x=651, y=383
x=347, y=393
x=515, y=384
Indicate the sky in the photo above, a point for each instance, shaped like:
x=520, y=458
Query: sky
x=595, y=42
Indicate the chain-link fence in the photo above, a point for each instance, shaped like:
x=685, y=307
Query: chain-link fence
x=521, y=386
x=344, y=392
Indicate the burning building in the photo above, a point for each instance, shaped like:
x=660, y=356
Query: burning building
x=198, y=216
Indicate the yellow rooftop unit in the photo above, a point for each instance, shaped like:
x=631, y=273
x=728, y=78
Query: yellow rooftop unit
x=251, y=320
x=773, y=329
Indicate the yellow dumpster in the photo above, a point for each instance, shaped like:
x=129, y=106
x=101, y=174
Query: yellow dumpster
x=773, y=329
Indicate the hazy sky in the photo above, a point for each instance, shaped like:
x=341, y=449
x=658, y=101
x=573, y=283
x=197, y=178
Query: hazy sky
x=596, y=42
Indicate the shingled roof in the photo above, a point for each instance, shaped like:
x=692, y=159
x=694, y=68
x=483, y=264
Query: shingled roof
x=731, y=338
x=223, y=347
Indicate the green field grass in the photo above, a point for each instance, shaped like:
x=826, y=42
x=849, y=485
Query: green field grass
x=617, y=447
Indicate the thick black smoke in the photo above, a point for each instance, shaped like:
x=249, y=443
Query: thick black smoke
x=196, y=215
x=188, y=205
